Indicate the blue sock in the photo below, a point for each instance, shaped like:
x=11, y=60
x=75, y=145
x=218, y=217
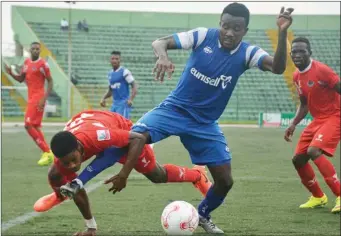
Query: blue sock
x=102, y=161
x=210, y=203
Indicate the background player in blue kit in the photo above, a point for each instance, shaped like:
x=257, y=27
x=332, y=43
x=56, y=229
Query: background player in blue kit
x=119, y=80
x=219, y=57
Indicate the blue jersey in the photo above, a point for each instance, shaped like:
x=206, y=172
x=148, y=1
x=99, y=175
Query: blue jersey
x=119, y=81
x=211, y=73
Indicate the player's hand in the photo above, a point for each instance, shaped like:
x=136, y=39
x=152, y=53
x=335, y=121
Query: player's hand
x=289, y=132
x=88, y=232
x=129, y=102
x=41, y=104
x=163, y=65
x=118, y=183
x=70, y=189
x=102, y=103
x=8, y=70
x=284, y=19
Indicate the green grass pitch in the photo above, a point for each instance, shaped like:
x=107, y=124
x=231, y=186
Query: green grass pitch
x=264, y=199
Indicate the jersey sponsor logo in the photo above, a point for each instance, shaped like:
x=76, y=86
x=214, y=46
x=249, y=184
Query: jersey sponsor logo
x=225, y=80
x=103, y=135
x=115, y=86
x=208, y=50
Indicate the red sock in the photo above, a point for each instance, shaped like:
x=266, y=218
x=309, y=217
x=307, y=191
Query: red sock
x=309, y=181
x=38, y=137
x=181, y=174
x=328, y=172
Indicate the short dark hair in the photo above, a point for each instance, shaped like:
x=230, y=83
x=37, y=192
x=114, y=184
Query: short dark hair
x=116, y=53
x=63, y=143
x=237, y=9
x=35, y=43
x=302, y=40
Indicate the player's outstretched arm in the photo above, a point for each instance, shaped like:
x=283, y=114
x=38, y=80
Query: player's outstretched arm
x=301, y=112
x=277, y=64
x=20, y=78
x=82, y=201
x=135, y=147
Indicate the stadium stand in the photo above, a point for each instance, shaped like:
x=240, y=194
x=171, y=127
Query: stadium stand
x=135, y=42
x=90, y=61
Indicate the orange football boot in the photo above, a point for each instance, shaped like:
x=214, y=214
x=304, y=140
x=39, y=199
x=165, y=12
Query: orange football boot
x=47, y=202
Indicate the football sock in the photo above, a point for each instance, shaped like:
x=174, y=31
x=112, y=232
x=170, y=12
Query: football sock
x=210, y=203
x=328, y=172
x=308, y=179
x=181, y=174
x=38, y=139
x=106, y=159
x=45, y=146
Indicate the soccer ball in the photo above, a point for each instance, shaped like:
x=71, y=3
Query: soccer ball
x=179, y=218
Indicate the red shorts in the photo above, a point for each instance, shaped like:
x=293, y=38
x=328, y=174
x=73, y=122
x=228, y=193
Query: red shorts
x=323, y=134
x=33, y=116
x=145, y=164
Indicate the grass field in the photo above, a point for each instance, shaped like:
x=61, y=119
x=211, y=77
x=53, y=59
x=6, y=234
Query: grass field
x=263, y=201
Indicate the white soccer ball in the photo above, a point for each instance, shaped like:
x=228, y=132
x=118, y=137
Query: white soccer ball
x=179, y=218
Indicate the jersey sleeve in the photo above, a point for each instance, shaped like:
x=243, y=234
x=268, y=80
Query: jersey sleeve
x=254, y=57
x=190, y=39
x=46, y=69
x=108, y=78
x=128, y=76
x=328, y=76
x=24, y=67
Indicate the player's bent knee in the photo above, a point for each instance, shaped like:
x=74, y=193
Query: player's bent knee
x=158, y=175
x=314, y=152
x=224, y=185
x=27, y=127
x=300, y=160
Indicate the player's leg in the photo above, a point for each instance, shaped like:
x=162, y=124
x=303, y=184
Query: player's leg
x=127, y=111
x=33, y=119
x=324, y=143
x=213, y=152
x=57, y=176
x=121, y=109
x=47, y=157
x=103, y=160
x=305, y=171
x=170, y=173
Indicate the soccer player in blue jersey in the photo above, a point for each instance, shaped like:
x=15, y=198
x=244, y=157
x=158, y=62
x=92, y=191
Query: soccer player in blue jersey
x=219, y=57
x=120, y=78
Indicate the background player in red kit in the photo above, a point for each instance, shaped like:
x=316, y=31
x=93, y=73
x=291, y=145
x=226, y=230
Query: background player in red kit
x=35, y=71
x=319, y=90
x=107, y=135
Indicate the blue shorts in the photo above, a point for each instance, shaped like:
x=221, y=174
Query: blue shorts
x=121, y=108
x=205, y=143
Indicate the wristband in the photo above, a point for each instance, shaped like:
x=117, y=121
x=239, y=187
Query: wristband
x=91, y=224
